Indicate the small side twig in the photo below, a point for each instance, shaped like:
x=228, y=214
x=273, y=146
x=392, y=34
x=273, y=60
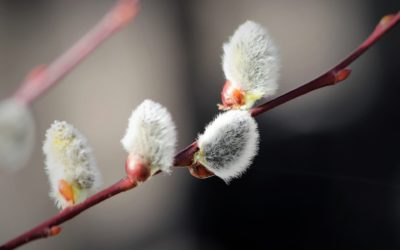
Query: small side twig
x=185, y=157
x=43, y=77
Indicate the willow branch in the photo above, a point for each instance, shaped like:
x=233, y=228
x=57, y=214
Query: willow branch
x=41, y=78
x=46, y=229
x=185, y=157
x=337, y=73
x=331, y=77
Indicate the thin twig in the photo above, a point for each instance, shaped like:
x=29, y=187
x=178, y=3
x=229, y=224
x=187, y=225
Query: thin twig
x=331, y=77
x=41, y=231
x=337, y=73
x=43, y=77
x=185, y=157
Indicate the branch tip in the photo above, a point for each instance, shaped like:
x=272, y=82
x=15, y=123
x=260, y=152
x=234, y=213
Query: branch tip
x=125, y=11
x=386, y=20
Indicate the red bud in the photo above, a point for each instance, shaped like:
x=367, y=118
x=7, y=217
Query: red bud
x=53, y=231
x=137, y=169
x=231, y=97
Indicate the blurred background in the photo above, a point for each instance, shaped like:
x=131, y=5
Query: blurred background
x=327, y=175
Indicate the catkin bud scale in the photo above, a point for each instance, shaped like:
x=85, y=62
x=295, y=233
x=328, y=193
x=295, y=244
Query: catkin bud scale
x=228, y=144
x=70, y=165
x=150, y=139
x=251, y=65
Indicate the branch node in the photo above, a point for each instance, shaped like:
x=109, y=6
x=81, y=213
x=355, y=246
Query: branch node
x=342, y=75
x=185, y=157
x=53, y=231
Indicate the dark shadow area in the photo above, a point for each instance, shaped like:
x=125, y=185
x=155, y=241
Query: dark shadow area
x=330, y=190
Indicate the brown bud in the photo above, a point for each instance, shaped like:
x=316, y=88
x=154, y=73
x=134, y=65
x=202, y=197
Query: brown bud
x=199, y=171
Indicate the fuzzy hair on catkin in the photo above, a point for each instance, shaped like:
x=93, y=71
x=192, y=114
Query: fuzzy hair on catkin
x=229, y=144
x=69, y=158
x=17, y=134
x=251, y=61
x=151, y=135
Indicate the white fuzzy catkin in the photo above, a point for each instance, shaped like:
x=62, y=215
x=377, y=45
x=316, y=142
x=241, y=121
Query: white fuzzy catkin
x=17, y=134
x=251, y=61
x=151, y=135
x=69, y=158
x=229, y=144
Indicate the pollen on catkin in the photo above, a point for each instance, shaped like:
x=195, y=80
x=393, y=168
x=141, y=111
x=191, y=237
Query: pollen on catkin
x=228, y=144
x=17, y=134
x=151, y=136
x=70, y=165
x=251, y=65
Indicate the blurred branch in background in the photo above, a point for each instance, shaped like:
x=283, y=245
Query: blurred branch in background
x=17, y=126
x=43, y=77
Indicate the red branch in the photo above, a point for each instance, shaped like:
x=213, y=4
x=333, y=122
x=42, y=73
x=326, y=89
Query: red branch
x=42, y=78
x=337, y=73
x=185, y=157
x=331, y=77
x=44, y=230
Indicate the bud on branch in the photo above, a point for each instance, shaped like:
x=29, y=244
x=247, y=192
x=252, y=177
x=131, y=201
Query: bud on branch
x=251, y=65
x=70, y=165
x=228, y=144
